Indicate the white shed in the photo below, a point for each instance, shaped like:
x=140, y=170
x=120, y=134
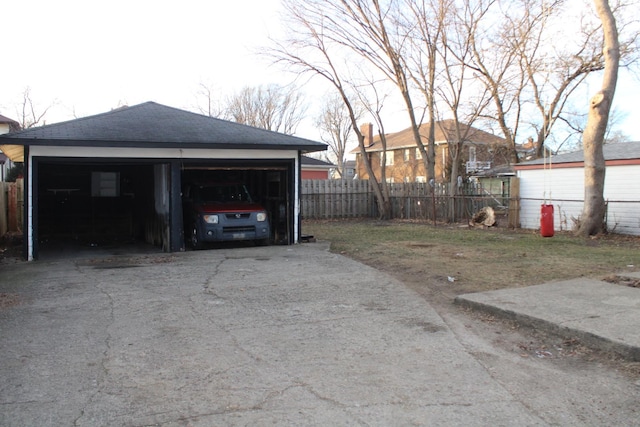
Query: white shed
x=560, y=181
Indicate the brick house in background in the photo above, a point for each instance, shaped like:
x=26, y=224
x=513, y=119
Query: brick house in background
x=404, y=162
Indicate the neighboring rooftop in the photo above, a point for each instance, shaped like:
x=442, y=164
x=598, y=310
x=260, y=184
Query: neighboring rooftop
x=4, y=119
x=310, y=161
x=444, y=132
x=617, y=151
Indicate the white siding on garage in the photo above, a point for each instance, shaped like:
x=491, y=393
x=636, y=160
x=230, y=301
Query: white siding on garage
x=622, y=190
x=564, y=189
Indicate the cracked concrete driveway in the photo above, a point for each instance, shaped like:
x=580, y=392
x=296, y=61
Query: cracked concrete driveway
x=248, y=336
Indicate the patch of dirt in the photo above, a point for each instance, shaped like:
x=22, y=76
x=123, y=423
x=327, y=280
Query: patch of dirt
x=625, y=281
x=420, y=245
x=8, y=300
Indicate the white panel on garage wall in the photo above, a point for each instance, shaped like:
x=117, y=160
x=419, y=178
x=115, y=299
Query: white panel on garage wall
x=622, y=182
x=159, y=153
x=622, y=190
x=561, y=187
x=564, y=188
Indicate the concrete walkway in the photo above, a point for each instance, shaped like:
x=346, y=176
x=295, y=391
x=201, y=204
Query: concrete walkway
x=601, y=314
x=253, y=336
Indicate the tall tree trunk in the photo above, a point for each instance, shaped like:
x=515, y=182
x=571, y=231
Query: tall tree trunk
x=592, y=219
x=379, y=188
x=453, y=184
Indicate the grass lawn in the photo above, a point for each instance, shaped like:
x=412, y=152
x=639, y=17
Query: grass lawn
x=472, y=260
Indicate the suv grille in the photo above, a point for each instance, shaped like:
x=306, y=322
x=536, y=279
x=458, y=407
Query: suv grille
x=238, y=215
x=242, y=229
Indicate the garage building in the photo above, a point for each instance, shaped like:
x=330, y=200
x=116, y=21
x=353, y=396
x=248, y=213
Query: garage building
x=119, y=176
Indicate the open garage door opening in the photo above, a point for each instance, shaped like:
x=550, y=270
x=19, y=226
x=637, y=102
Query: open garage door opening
x=100, y=204
x=141, y=205
x=237, y=202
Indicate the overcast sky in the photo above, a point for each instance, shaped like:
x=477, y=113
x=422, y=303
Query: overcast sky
x=92, y=56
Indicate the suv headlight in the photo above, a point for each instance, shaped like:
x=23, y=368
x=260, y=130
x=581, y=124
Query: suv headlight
x=262, y=216
x=210, y=219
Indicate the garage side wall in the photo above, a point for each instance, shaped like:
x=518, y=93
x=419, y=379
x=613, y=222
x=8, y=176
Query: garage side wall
x=564, y=189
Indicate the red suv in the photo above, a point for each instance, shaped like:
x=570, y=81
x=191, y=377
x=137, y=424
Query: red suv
x=221, y=212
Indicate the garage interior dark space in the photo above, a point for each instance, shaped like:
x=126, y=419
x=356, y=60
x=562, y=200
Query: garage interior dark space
x=94, y=204
x=268, y=184
x=117, y=203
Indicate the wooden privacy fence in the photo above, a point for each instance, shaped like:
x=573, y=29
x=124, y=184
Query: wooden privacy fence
x=332, y=199
x=336, y=198
x=11, y=206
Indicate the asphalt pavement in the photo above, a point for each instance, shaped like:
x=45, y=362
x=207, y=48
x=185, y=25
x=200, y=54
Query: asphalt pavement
x=280, y=335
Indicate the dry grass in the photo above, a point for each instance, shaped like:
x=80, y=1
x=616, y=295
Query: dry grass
x=472, y=260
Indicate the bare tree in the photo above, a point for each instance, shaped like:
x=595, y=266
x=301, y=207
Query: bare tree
x=613, y=135
x=336, y=129
x=592, y=218
x=29, y=114
x=371, y=29
x=495, y=64
x=272, y=107
x=553, y=76
x=374, y=108
x=309, y=49
x=464, y=107
x=425, y=24
x=529, y=64
x=207, y=103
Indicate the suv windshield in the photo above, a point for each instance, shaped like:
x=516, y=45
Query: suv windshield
x=222, y=193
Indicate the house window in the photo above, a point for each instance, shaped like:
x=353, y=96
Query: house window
x=407, y=154
x=390, y=180
x=389, y=158
x=472, y=154
x=418, y=154
x=421, y=179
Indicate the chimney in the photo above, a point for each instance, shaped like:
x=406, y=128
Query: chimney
x=367, y=131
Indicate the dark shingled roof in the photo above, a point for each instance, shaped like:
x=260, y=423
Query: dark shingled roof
x=153, y=125
x=310, y=161
x=617, y=151
x=4, y=119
